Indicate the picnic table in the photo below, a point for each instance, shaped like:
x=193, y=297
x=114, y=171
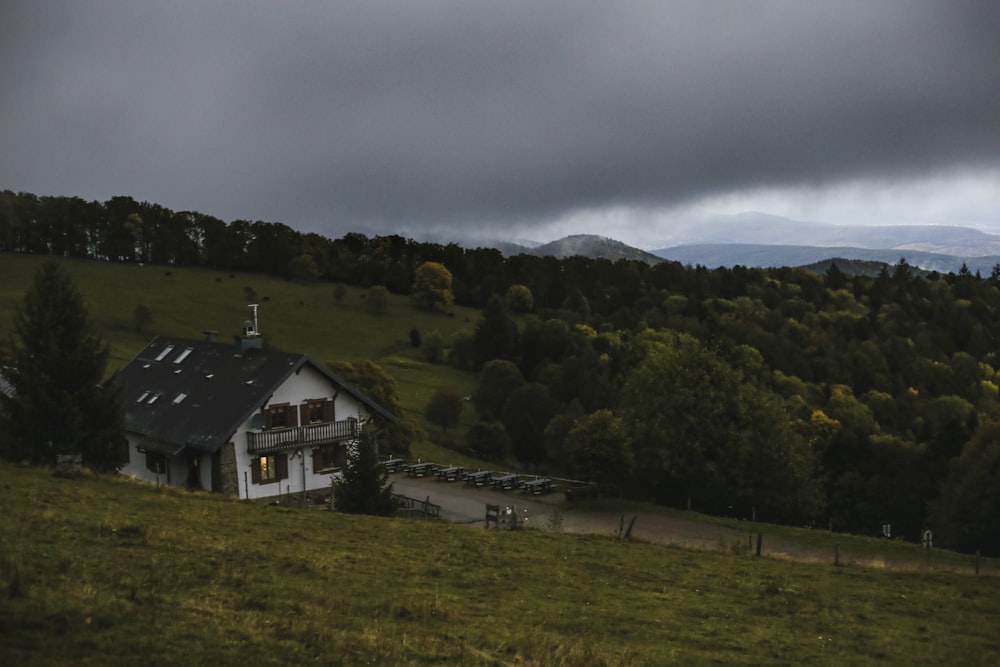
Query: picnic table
x=508, y=481
x=450, y=473
x=419, y=469
x=537, y=486
x=392, y=465
x=478, y=478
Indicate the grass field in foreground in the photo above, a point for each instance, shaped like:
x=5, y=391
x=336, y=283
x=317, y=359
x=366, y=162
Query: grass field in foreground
x=112, y=572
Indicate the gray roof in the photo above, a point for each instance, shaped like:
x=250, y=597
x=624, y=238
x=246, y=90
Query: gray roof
x=186, y=393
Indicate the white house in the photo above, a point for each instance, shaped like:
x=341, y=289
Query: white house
x=239, y=418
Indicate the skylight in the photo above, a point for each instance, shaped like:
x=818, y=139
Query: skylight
x=163, y=355
x=183, y=355
x=179, y=398
x=143, y=397
x=152, y=399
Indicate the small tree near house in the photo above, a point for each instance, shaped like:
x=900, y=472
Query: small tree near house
x=364, y=487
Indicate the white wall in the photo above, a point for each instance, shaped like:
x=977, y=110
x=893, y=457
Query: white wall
x=299, y=388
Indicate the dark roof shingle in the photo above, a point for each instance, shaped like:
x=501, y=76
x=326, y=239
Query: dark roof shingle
x=186, y=393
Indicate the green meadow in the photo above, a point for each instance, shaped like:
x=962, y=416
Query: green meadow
x=107, y=571
x=294, y=317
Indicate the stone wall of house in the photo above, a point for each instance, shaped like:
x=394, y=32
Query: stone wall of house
x=228, y=470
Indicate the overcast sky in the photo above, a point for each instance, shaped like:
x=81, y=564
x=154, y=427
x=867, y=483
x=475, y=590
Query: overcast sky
x=521, y=119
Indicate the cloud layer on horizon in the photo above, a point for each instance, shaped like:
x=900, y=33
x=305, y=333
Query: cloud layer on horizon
x=461, y=117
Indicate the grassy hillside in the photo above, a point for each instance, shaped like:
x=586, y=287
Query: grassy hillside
x=298, y=318
x=105, y=571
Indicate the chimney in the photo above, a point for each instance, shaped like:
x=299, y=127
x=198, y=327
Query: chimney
x=250, y=338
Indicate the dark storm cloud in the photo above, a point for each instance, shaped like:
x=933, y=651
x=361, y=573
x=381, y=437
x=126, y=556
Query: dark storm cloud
x=341, y=116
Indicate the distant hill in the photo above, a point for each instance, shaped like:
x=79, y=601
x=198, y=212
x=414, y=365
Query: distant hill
x=713, y=255
x=854, y=267
x=595, y=247
x=763, y=229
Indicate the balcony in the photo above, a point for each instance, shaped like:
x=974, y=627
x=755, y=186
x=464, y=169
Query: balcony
x=313, y=435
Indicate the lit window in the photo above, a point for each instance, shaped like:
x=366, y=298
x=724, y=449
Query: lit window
x=268, y=469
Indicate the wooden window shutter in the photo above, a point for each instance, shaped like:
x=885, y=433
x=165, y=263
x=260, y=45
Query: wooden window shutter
x=317, y=459
x=255, y=470
x=304, y=413
x=282, y=460
x=293, y=416
x=328, y=413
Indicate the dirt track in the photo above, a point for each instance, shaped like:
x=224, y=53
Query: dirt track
x=467, y=505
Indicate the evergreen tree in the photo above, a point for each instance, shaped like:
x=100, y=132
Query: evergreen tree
x=60, y=403
x=496, y=335
x=363, y=488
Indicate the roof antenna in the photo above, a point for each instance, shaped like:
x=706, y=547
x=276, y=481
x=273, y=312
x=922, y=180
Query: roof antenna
x=253, y=307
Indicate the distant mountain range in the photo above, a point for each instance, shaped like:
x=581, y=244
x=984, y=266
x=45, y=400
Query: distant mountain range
x=761, y=240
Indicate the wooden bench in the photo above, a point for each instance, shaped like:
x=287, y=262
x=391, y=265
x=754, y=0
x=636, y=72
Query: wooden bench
x=537, y=486
x=478, y=478
x=418, y=469
x=504, y=482
x=449, y=474
x=392, y=465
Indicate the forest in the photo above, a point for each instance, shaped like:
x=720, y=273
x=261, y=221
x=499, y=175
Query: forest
x=842, y=401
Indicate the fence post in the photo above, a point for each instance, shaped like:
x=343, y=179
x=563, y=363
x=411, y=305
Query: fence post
x=760, y=538
x=836, y=554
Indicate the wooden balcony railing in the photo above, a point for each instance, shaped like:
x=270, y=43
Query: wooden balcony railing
x=313, y=435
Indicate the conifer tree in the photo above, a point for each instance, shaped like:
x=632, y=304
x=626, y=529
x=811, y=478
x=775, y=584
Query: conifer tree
x=60, y=402
x=363, y=488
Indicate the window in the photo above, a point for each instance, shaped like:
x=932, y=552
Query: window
x=317, y=410
x=329, y=458
x=281, y=415
x=162, y=355
x=156, y=463
x=269, y=469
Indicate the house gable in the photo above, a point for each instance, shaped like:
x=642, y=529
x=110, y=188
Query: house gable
x=182, y=393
